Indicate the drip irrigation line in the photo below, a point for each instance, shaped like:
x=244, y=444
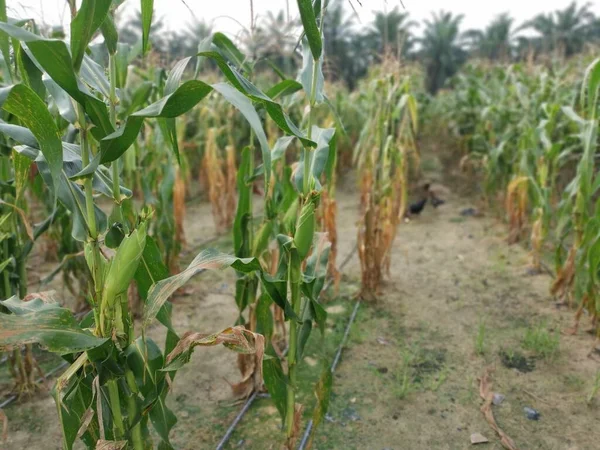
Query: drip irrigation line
x=13, y=397
x=246, y=407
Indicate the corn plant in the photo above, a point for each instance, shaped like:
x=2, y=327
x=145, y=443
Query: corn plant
x=580, y=269
x=117, y=382
x=383, y=154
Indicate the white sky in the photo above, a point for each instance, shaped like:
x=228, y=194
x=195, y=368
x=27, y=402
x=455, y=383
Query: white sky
x=227, y=13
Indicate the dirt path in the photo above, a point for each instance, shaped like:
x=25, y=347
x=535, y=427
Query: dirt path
x=457, y=301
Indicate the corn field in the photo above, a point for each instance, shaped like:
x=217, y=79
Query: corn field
x=360, y=236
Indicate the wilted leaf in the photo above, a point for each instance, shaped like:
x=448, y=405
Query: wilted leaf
x=207, y=259
x=110, y=445
x=238, y=339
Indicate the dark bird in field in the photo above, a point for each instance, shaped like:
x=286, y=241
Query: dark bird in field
x=416, y=208
x=437, y=201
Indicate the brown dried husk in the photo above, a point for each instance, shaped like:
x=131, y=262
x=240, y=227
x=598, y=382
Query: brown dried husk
x=328, y=224
x=179, y=209
x=537, y=240
x=221, y=181
x=368, y=239
x=565, y=277
x=516, y=208
x=291, y=440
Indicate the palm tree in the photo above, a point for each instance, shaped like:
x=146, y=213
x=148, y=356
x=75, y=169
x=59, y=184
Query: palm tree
x=391, y=32
x=570, y=30
x=496, y=41
x=342, y=55
x=441, y=49
x=563, y=31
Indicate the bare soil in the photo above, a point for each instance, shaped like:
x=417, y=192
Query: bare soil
x=458, y=301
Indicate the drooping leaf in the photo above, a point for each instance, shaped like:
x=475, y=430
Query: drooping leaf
x=207, y=259
x=243, y=105
x=273, y=108
x=229, y=50
x=323, y=394
x=276, y=383
x=283, y=88
x=53, y=56
x=52, y=327
x=238, y=339
x=61, y=99
x=21, y=101
x=305, y=77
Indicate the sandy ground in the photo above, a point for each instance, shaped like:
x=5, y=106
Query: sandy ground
x=457, y=301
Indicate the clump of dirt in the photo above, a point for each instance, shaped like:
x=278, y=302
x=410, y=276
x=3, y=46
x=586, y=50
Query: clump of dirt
x=516, y=360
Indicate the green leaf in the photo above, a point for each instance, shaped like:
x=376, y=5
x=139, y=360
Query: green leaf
x=207, y=259
x=243, y=105
x=184, y=98
x=241, y=224
x=50, y=326
x=4, y=43
x=93, y=74
x=53, y=56
x=61, y=99
x=306, y=74
x=31, y=110
x=111, y=36
x=273, y=108
x=283, y=88
x=303, y=336
x=323, y=394
x=68, y=192
x=31, y=75
x=591, y=83
x=89, y=18
x=229, y=50
x=21, y=166
x=150, y=271
x=147, y=7
x=319, y=157
x=20, y=134
x=276, y=383
x=309, y=23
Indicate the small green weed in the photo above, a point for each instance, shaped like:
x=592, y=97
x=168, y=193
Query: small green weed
x=595, y=388
x=480, y=339
x=543, y=342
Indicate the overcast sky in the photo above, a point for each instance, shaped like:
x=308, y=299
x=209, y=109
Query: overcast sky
x=227, y=15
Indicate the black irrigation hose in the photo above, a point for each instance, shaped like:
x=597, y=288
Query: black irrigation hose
x=246, y=407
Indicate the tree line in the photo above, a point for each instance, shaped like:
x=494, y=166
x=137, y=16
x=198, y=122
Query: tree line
x=439, y=43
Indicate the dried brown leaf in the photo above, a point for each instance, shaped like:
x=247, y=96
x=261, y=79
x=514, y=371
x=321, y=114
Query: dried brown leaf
x=26, y=224
x=85, y=422
x=485, y=392
x=110, y=445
